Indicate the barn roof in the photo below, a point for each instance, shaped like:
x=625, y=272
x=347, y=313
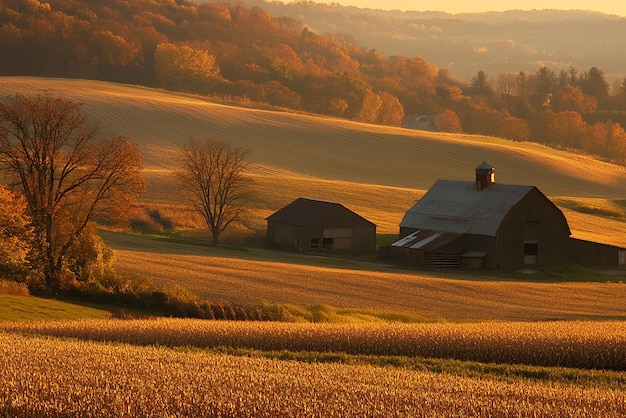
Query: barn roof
x=303, y=211
x=457, y=207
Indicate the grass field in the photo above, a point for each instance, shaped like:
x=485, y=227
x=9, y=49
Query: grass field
x=30, y=308
x=379, y=172
x=256, y=276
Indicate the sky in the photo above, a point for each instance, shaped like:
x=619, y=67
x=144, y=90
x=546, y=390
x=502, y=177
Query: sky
x=615, y=7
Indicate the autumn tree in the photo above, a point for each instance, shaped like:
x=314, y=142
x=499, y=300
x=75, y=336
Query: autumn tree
x=181, y=67
x=448, y=121
x=15, y=235
x=213, y=175
x=68, y=176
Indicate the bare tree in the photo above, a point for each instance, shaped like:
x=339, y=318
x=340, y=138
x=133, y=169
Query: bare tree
x=50, y=153
x=213, y=175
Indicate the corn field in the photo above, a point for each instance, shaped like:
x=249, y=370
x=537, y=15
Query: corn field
x=577, y=344
x=48, y=377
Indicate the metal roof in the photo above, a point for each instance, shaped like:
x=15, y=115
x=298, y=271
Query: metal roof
x=303, y=211
x=425, y=240
x=457, y=207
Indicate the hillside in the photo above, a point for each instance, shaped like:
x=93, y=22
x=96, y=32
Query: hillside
x=496, y=42
x=379, y=171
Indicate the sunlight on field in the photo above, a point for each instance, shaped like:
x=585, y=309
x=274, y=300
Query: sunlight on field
x=148, y=381
x=378, y=172
x=159, y=122
x=43, y=375
x=250, y=278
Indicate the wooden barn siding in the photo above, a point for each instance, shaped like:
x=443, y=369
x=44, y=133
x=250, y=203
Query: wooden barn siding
x=593, y=254
x=285, y=236
x=299, y=237
x=364, y=238
x=553, y=232
x=507, y=247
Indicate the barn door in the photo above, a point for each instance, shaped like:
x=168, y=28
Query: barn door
x=531, y=249
x=531, y=242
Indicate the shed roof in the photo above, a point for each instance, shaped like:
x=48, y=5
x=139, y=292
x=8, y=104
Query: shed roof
x=457, y=207
x=303, y=211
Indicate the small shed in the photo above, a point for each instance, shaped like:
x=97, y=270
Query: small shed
x=310, y=224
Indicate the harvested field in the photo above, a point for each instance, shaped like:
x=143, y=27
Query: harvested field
x=251, y=278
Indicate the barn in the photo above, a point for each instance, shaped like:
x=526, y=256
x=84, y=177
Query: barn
x=309, y=224
x=482, y=224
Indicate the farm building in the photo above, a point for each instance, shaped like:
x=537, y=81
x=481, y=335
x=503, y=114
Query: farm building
x=484, y=224
x=308, y=224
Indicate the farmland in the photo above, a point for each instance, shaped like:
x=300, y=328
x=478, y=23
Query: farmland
x=46, y=376
x=522, y=342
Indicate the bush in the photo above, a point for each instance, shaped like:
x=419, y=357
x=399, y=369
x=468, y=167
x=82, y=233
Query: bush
x=8, y=287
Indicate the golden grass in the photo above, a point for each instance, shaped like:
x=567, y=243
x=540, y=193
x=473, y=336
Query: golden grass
x=42, y=376
x=572, y=344
x=245, y=278
x=159, y=122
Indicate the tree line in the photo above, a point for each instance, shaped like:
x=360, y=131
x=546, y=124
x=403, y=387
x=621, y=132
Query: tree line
x=229, y=51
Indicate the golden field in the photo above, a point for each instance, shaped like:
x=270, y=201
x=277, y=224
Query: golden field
x=571, y=344
x=253, y=277
x=156, y=372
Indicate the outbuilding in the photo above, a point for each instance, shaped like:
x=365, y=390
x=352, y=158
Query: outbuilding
x=310, y=224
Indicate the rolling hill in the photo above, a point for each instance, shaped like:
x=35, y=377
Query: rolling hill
x=377, y=171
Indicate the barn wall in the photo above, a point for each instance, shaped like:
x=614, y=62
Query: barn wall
x=595, y=254
x=532, y=220
x=285, y=236
x=347, y=230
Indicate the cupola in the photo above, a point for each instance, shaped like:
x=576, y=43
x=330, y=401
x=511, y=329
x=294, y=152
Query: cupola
x=485, y=175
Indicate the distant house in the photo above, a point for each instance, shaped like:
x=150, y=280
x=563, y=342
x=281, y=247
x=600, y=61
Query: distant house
x=483, y=224
x=421, y=122
x=308, y=224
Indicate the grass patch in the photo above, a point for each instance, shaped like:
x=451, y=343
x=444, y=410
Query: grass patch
x=330, y=314
x=30, y=308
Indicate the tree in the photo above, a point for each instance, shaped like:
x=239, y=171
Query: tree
x=181, y=67
x=480, y=84
x=214, y=176
x=545, y=81
x=51, y=153
x=594, y=84
x=15, y=235
x=448, y=121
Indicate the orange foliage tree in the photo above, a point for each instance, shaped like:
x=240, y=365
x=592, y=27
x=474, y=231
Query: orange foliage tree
x=68, y=178
x=15, y=235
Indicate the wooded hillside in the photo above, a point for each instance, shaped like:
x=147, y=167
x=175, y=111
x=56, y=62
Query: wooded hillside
x=228, y=51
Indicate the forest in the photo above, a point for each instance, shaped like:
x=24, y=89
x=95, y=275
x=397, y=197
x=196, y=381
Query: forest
x=227, y=51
